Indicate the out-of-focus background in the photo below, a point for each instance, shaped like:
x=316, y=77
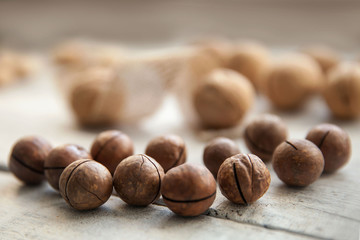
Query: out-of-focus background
x=277, y=23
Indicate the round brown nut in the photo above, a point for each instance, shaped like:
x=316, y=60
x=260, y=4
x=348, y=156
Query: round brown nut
x=27, y=158
x=263, y=134
x=251, y=60
x=298, y=162
x=111, y=147
x=137, y=180
x=59, y=158
x=342, y=90
x=223, y=98
x=334, y=144
x=168, y=150
x=290, y=81
x=326, y=57
x=95, y=98
x=188, y=190
x=85, y=184
x=217, y=151
x=243, y=178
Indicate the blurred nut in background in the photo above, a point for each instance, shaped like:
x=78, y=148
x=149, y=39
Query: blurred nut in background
x=291, y=79
x=59, y=158
x=342, y=90
x=263, y=134
x=111, y=147
x=137, y=180
x=223, y=99
x=188, y=190
x=326, y=57
x=27, y=159
x=334, y=144
x=243, y=178
x=217, y=151
x=97, y=99
x=85, y=184
x=252, y=60
x=220, y=49
x=298, y=162
x=168, y=150
x=198, y=62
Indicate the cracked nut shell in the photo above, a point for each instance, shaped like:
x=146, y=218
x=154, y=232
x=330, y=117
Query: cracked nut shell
x=111, y=147
x=85, y=184
x=59, y=158
x=168, y=150
x=27, y=158
x=188, y=190
x=334, y=144
x=217, y=151
x=263, y=134
x=243, y=178
x=137, y=180
x=298, y=162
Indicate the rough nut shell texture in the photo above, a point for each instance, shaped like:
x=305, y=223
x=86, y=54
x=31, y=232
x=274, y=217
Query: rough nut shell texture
x=137, y=180
x=85, y=184
x=188, y=190
x=243, y=178
x=298, y=162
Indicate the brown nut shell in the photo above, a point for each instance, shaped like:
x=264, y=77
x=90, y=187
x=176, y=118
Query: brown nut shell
x=243, y=178
x=188, y=190
x=342, y=90
x=252, y=60
x=217, y=151
x=59, y=158
x=334, y=143
x=326, y=57
x=168, y=150
x=263, y=134
x=298, y=162
x=27, y=158
x=111, y=147
x=223, y=98
x=137, y=180
x=290, y=81
x=85, y=184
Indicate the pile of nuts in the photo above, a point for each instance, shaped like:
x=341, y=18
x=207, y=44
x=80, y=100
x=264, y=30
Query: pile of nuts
x=86, y=180
x=214, y=81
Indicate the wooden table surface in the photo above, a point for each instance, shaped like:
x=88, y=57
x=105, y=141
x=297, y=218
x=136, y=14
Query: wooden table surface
x=327, y=209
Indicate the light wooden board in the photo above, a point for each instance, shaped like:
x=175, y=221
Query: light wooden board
x=328, y=209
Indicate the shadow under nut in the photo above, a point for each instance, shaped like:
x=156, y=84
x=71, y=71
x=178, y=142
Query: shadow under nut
x=138, y=179
x=190, y=207
x=243, y=178
x=85, y=184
